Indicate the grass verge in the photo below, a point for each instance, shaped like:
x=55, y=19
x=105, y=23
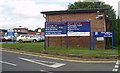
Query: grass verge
x=39, y=48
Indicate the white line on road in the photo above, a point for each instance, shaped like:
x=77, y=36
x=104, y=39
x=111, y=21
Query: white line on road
x=45, y=71
x=8, y=63
x=54, y=64
x=115, y=69
x=117, y=62
x=116, y=66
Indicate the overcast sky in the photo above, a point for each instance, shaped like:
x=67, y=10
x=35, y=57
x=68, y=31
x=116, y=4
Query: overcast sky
x=26, y=13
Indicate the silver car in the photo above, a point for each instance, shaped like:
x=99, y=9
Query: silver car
x=28, y=38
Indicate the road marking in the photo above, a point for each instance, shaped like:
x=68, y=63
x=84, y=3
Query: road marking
x=42, y=70
x=53, y=64
x=8, y=63
x=117, y=62
x=115, y=69
x=46, y=71
x=116, y=66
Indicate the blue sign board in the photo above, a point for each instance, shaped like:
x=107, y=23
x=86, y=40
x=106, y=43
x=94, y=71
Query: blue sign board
x=54, y=28
x=79, y=26
x=102, y=34
x=59, y=28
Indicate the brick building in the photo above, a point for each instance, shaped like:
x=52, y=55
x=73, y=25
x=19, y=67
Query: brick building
x=20, y=29
x=98, y=23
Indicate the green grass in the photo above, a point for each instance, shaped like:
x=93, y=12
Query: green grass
x=39, y=47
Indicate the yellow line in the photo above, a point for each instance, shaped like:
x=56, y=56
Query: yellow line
x=28, y=53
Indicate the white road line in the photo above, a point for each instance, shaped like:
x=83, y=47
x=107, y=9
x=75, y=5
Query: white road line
x=54, y=65
x=42, y=70
x=8, y=63
x=115, y=69
x=117, y=62
x=46, y=71
x=116, y=66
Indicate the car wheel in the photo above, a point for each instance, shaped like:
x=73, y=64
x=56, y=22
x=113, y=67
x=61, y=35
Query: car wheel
x=20, y=41
x=34, y=40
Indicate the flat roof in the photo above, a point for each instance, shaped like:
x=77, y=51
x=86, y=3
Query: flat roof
x=72, y=11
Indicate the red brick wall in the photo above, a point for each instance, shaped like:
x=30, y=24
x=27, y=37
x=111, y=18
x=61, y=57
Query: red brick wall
x=78, y=41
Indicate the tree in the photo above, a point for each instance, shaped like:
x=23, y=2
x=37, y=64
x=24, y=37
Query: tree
x=37, y=30
x=118, y=22
x=30, y=30
x=93, y=5
x=42, y=30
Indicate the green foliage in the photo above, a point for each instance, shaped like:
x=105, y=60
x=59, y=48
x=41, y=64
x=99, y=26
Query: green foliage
x=115, y=27
x=42, y=30
x=36, y=30
x=39, y=48
x=114, y=23
x=30, y=30
x=118, y=22
x=93, y=5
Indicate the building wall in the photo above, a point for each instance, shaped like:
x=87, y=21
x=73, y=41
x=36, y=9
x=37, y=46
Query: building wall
x=97, y=25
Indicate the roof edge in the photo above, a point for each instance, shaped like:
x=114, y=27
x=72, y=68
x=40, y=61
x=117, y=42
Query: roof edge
x=73, y=11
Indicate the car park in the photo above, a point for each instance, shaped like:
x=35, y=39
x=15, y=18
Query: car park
x=28, y=38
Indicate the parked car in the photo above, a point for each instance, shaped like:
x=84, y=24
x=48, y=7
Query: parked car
x=28, y=38
x=2, y=39
x=41, y=37
x=10, y=38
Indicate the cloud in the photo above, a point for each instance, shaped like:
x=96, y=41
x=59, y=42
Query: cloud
x=31, y=8
x=2, y=2
x=1, y=9
x=26, y=12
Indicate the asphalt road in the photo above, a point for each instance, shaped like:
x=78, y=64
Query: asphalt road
x=20, y=62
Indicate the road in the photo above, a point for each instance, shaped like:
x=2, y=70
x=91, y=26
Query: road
x=19, y=62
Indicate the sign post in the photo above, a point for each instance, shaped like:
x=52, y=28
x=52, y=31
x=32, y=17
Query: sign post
x=45, y=36
x=104, y=35
x=113, y=40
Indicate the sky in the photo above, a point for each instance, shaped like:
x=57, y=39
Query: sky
x=26, y=13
